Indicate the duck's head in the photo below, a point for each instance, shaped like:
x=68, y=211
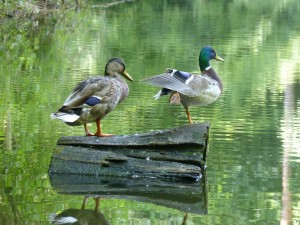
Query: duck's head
x=116, y=66
x=207, y=53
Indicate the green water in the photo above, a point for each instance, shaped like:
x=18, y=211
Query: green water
x=254, y=150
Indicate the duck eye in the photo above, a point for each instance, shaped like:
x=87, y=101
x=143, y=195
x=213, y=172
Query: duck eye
x=213, y=53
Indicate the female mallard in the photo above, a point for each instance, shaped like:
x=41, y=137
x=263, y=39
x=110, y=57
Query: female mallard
x=92, y=99
x=190, y=89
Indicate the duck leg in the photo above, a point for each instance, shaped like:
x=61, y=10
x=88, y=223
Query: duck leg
x=87, y=132
x=188, y=115
x=99, y=132
x=97, y=201
x=84, y=202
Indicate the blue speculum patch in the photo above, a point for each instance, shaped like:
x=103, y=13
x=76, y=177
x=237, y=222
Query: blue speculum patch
x=91, y=101
x=182, y=76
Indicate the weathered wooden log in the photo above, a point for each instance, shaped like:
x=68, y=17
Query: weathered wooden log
x=184, y=196
x=177, y=153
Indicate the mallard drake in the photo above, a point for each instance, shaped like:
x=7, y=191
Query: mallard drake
x=190, y=89
x=92, y=99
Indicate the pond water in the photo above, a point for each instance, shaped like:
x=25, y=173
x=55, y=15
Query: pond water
x=253, y=161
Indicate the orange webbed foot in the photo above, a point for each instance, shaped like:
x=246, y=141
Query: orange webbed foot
x=104, y=135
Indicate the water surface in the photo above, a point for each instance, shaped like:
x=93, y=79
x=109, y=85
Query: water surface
x=253, y=160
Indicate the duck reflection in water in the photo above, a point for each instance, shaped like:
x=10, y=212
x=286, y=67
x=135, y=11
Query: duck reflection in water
x=81, y=216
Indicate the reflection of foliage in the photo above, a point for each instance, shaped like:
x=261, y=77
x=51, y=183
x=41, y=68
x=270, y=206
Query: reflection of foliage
x=25, y=9
x=9, y=214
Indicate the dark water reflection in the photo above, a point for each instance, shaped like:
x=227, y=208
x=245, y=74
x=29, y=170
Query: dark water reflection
x=253, y=160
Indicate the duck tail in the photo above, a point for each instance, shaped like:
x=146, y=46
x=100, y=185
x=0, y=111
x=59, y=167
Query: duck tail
x=162, y=92
x=65, y=117
x=158, y=95
x=61, y=220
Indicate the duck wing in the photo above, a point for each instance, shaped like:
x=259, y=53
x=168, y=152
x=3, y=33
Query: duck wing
x=183, y=82
x=93, y=86
x=86, y=94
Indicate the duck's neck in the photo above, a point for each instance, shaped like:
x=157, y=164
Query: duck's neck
x=206, y=68
x=213, y=75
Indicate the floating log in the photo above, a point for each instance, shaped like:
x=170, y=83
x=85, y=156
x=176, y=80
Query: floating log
x=176, y=154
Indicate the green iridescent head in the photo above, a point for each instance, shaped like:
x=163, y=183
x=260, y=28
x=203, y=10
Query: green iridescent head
x=207, y=53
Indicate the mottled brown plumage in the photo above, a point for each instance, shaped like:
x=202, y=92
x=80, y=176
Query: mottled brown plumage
x=92, y=99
